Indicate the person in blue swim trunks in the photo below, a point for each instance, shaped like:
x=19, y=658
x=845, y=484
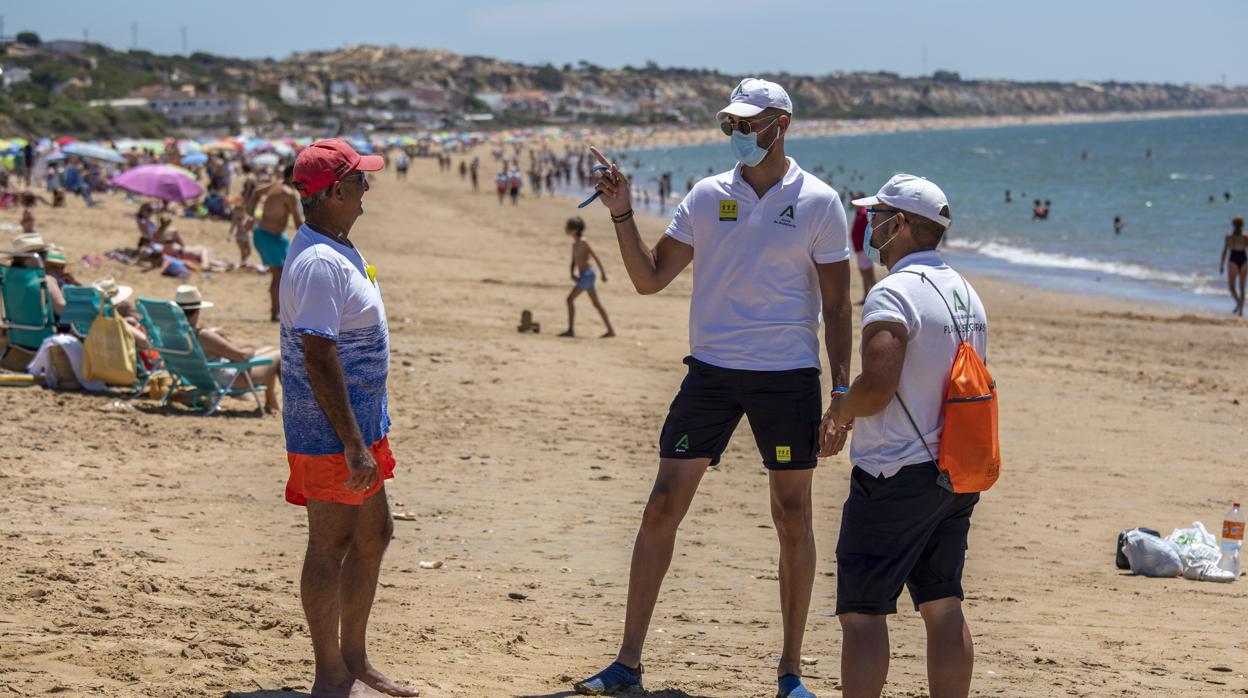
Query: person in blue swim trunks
x=584, y=276
x=278, y=204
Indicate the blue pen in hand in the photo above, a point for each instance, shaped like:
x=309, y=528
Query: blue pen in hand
x=596, y=194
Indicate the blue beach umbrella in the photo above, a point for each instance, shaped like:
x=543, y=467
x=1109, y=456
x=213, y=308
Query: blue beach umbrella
x=93, y=151
x=193, y=159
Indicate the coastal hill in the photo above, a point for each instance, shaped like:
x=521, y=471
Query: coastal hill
x=87, y=89
x=702, y=92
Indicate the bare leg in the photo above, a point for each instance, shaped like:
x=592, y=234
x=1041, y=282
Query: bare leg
x=1243, y=276
x=275, y=285
x=868, y=280
x=593, y=297
x=864, y=655
x=331, y=527
x=268, y=376
x=576, y=291
x=359, y=585
x=670, y=498
x=244, y=250
x=950, y=651
x=792, y=513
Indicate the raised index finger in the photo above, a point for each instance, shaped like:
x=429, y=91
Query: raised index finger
x=598, y=154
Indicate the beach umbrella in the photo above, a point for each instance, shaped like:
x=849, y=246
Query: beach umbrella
x=192, y=159
x=93, y=151
x=220, y=146
x=266, y=159
x=164, y=182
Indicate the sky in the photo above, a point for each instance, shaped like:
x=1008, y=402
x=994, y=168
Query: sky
x=1199, y=41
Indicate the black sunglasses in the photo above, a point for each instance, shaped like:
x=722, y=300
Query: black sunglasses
x=742, y=126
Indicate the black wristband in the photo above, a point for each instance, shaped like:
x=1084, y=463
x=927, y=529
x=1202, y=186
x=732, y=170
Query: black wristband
x=623, y=216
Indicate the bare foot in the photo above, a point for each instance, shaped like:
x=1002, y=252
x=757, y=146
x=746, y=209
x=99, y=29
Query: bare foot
x=351, y=688
x=377, y=680
x=569, y=333
x=610, y=333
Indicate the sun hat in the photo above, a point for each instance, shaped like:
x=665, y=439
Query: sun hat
x=29, y=242
x=327, y=161
x=56, y=255
x=754, y=95
x=188, y=298
x=115, y=293
x=911, y=194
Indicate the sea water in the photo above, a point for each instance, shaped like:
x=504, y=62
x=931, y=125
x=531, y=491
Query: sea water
x=1157, y=175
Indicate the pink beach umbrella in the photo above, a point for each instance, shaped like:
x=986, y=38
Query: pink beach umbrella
x=164, y=182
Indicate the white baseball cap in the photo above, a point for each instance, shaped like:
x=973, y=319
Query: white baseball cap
x=912, y=194
x=752, y=96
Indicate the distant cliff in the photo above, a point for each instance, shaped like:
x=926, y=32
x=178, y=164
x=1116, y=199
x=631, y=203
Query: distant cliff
x=698, y=93
x=48, y=88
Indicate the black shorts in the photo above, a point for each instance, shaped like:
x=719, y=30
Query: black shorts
x=902, y=530
x=784, y=408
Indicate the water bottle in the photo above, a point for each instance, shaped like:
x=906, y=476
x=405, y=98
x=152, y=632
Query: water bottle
x=1232, y=539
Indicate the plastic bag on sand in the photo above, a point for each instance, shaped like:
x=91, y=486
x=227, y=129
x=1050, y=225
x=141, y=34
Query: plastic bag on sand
x=1151, y=556
x=1198, y=550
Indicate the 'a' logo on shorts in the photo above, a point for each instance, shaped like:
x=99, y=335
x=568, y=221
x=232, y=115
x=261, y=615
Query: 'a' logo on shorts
x=683, y=444
x=784, y=454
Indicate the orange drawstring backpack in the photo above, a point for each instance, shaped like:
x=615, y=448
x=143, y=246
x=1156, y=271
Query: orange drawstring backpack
x=970, y=452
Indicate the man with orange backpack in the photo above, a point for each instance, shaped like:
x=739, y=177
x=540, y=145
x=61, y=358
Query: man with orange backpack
x=924, y=419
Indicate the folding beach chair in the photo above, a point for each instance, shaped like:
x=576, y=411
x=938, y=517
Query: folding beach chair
x=27, y=317
x=82, y=305
x=171, y=335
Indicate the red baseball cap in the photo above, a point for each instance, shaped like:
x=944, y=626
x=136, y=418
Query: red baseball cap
x=325, y=162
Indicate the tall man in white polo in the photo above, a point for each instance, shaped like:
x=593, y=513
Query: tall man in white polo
x=902, y=524
x=770, y=247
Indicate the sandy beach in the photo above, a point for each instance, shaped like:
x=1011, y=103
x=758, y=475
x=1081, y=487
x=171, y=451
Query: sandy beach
x=149, y=552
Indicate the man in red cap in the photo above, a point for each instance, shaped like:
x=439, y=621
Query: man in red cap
x=335, y=360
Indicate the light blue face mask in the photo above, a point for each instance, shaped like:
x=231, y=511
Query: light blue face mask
x=746, y=148
x=873, y=252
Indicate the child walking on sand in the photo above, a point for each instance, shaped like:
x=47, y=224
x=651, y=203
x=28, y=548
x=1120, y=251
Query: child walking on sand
x=584, y=275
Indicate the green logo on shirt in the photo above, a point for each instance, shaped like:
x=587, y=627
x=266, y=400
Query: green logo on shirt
x=958, y=304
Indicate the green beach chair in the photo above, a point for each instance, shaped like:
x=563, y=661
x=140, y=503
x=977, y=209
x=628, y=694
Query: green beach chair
x=171, y=335
x=28, y=316
x=82, y=305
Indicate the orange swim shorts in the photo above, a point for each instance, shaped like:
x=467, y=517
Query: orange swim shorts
x=324, y=478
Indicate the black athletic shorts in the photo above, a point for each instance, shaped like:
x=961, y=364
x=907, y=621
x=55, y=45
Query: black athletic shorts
x=902, y=530
x=784, y=408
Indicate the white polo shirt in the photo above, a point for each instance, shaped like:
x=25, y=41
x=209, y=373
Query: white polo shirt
x=886, y=442
x=756, y=297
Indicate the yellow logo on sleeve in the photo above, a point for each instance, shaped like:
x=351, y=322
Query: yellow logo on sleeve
x=727, y=209
x=371, y=270
x=784, y=454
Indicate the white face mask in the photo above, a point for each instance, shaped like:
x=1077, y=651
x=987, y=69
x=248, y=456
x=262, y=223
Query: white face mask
x=746, y=149
x=872, y=251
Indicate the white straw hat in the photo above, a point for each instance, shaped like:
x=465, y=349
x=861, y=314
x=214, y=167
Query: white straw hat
x=29, y=242
x=189, y=299
x=115, y=293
